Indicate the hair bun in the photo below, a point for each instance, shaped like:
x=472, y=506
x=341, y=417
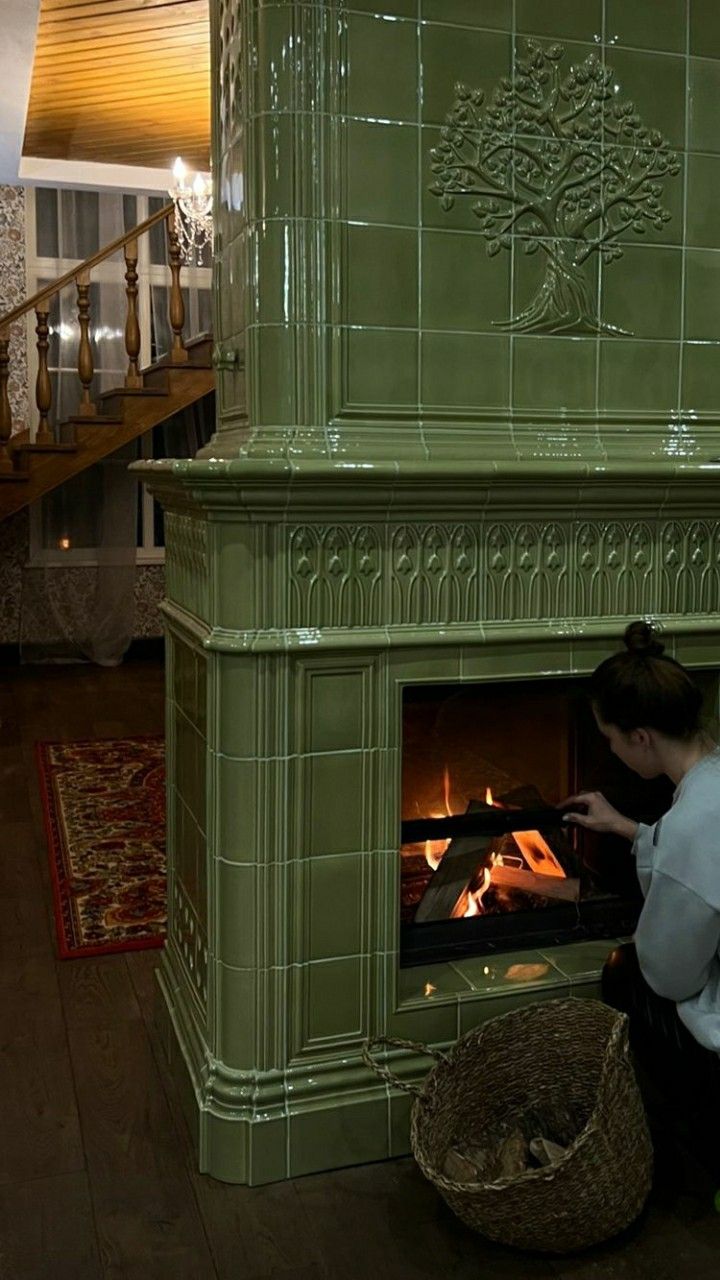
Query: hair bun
x=640, y=639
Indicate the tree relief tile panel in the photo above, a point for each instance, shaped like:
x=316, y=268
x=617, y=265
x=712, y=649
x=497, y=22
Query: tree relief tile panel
x=501, y=571
x=555, y=162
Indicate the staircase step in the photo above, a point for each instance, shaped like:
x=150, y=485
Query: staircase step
x=133, y=391
x=14, y=476
x=31, y=447
x=93, y=420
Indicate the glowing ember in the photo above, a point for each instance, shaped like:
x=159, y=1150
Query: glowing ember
x=489, y=796
x=429, y=988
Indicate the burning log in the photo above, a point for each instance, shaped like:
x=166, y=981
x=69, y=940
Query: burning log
x=451, y=882
x=564, y=888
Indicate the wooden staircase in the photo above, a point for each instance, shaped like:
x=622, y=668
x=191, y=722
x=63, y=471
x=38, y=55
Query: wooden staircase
x=34, y=462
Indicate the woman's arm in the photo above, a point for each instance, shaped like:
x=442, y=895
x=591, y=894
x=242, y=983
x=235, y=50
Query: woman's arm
x=677, y=937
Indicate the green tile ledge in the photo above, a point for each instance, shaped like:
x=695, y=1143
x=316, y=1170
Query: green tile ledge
x=504, y=975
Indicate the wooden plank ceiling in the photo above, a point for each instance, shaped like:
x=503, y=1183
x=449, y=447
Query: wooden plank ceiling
x=121, y=82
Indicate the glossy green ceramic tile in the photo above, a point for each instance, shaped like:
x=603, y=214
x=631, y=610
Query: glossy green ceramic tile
x=382, y=276
x=646, y=24
x=332, y=891
x=535, y=658
x=236, y=830
x=638, y=376
x=239, y=899
x=272, y=351
x=491, y=13
x=554, y=373
x=465, y=369
x=702, y=294
x=430, y=984
x=453, y=54
x=701, y=364
x=382, y=366
x=480, y=290
x=702, y=105
x=329, y=1139
x=518, y=969
x=573, y=19
x=275, y=58
x=334, y=998
x=705, y=28
x=268, y=1145
x=237, y=708
x=237, y=1027
x=271, y=179
x=382, y=68
x=651, y=308
x=336, y=801
x=381, y=168
x=424, y=665
x=655, y=83
x=703, y=201
x=531, y=274
x=274, y=271
x=581, y=960
x=432, y=1024
x=336, y=711
x=400, y=1105
x=397, y=8
x=670, y=200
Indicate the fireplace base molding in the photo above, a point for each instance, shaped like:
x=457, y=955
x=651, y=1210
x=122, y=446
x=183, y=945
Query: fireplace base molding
x=301, y=601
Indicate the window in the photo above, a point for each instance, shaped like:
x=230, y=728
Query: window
x=64, y=228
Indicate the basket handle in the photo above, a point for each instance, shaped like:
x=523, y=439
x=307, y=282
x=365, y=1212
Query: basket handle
x=387, y=1042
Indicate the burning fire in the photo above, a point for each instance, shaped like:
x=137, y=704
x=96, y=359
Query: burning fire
x=534, y=854
x=434, y=849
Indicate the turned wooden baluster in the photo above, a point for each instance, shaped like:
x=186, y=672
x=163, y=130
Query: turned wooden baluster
x=178, y=354
x=43, y=386
x=85, y=360
x=5, y=410
x=133, y=377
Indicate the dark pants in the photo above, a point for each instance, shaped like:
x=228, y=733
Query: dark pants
x=687, y=1074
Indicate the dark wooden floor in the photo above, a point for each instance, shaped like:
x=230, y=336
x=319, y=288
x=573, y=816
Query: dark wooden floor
x=97, y=1178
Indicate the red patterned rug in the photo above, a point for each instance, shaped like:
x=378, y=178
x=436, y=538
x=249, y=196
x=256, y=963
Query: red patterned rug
x=104, y=807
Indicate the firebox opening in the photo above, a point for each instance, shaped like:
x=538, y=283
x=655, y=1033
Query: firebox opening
x=522, y=745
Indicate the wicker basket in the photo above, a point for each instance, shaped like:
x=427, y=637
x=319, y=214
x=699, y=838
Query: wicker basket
x=561, y=1069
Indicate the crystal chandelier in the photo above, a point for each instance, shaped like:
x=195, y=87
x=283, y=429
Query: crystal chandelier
x=193, y=212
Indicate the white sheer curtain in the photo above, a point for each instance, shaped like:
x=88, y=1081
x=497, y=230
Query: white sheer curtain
x=84, y=609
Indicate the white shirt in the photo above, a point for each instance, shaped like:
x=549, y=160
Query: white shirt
x=678, y=933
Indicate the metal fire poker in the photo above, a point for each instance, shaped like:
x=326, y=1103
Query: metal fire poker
x=482, y=822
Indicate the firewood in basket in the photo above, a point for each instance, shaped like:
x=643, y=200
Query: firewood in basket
x=513, y=1155
x=459, y=1168
x=545, y=1152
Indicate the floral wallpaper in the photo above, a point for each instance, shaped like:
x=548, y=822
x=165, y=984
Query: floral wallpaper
x=12, y=291
x=15, y=532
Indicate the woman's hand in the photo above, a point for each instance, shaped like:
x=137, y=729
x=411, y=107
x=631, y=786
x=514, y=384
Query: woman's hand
x=600, y=815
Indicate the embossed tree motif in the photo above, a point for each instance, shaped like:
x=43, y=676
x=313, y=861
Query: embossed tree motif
x=562, y=165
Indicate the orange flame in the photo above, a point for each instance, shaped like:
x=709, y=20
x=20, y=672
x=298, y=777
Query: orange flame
x=489, y=796
x=474, y=904
x=434, y=849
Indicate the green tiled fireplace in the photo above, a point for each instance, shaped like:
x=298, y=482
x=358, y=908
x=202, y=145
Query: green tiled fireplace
x=448, y=449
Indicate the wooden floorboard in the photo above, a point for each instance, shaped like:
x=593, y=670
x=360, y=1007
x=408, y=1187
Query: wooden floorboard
x=98, y=1175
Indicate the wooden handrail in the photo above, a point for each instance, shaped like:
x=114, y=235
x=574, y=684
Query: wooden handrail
x=31, y=304
x=80, y=276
